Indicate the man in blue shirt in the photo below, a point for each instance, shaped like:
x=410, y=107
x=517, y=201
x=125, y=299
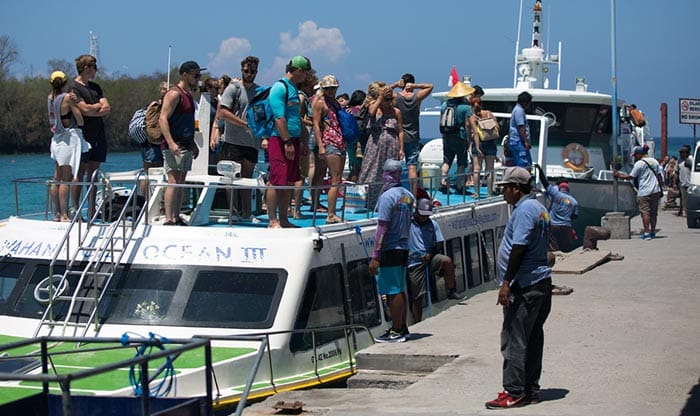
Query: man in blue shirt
x=454, y=143
x=423, y=252
x=519, y=132
x=562, y=210
x=390, y=253
x=286, y=142
x=525, y=293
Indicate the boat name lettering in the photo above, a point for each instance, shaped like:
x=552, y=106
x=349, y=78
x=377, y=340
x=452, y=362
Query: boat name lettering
x=253, y=254
x=212, y=253
x=29, y=248
x=327, y=354
x=471, y=222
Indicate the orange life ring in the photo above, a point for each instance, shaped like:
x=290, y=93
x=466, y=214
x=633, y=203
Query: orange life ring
x=575, y=156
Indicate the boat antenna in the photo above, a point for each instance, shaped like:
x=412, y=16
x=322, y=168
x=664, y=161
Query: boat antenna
x=168, y=70
x=517, y=46
x=94, y=48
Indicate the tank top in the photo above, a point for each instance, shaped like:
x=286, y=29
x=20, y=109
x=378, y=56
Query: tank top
x=182, y=120
x=410, y=112
x=54, y=106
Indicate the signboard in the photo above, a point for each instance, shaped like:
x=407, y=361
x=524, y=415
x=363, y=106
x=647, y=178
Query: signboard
x=689, y=110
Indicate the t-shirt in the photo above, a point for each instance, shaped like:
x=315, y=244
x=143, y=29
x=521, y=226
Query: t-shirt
x=290, y=111
x=463, y=112
x=646, y=174
x=395, y=206
x=410, y=115
x=562, y=207
x=528, y=226
x=424, y=238
x=93, y=127
x=236, y=98
x=518, y=118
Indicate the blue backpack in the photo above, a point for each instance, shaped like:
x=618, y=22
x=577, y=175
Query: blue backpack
x=259, y=113
x=348, y=126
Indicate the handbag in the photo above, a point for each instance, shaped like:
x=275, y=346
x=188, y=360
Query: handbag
x=487, y=128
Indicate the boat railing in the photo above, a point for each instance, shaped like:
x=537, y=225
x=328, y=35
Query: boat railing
x=63, y=380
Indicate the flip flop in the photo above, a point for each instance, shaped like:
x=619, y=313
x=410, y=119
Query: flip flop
x=334, y=220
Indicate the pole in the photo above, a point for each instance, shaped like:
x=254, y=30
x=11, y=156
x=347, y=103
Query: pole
x=615, y=114
x=664, y=130
x=517, y=46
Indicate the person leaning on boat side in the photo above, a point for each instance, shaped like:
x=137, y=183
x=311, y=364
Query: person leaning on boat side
x=287, y=142
x=239, y=144
x=519, y=133
x=408, y=101
x=525, y=291
x=424, y=247
x=67, y=142
x=685, y=162
x=647, y=170
x=94, y=106
x=455, y=144
x=177, y=125
x=563, y=209
x=390, y=255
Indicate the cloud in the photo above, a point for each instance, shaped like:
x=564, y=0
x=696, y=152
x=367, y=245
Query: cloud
x=315, y=42
x=229, y=56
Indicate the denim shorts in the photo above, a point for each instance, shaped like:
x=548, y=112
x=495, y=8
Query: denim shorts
x=334, y=150
x=411, y=153
x=151, y=153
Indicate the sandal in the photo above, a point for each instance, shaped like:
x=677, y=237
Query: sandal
x=334, y=220
x=561, y=290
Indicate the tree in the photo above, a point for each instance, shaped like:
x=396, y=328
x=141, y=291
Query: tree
x=67, y=67
x=8, y=55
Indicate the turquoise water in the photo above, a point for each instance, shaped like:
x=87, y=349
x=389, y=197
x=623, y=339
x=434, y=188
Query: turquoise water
x=33, y=196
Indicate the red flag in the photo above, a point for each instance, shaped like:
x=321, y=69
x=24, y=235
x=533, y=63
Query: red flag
x=454, y=78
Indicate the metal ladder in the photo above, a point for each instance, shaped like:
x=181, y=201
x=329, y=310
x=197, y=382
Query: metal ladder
x=101, y=243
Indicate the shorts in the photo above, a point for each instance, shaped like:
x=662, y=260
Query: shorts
x=489, y=148
x=649, y=204
x=454, y=146
x=416, y=277
x=283, y=171
x=237, y=153
x=521, y=155
x=151, y=153
x=334, y=150
x=391, y=278
x=97, y=152
x=411, y=153
x=182, y=163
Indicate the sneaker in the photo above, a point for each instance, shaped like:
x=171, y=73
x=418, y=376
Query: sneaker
x=505, y=400
x=452, y=294
x=391, y=335
x=405, y=333
x=645, y=236
x=532, y=398
x=652, y=235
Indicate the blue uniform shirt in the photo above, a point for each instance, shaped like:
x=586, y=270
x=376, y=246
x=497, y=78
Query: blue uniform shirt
x=395, y=206
x=291, y=111
x=424, y=238
x=528, y=226
x=562, y=208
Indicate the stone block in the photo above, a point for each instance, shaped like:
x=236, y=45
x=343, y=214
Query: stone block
x=618, y=223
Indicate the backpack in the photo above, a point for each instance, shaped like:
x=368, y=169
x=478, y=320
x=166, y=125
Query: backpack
x=153, y=122
x=487, y=128
x=448, y=119
x=348, y=126
x=362, y=119
x=137, y=126
x=259, y=113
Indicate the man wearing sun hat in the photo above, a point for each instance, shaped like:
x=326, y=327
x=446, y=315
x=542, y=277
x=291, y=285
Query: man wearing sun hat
x=287, y=142
x=454, y=143
x=525, y=291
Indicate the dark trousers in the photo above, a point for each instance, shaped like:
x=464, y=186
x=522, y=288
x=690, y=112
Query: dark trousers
x=522, y=337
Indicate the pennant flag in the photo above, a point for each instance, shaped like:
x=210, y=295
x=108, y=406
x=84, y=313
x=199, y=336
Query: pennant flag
x=454, y=78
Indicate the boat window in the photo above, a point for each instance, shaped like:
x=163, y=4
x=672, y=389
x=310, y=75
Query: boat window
x=488, y=255
x=473, y=267
x=579, y=119
x=241, y=298
x=9, y=273
x=454, y=250
x=363, y=294
x=143, y=296
x=322, y=306
x=28, y=306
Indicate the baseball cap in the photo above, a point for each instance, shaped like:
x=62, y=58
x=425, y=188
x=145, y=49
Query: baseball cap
x=392, y=165
x=564, y=186
x=637, y=150
x=190, y=66
x=328, y=81
x=300, y=62
x=56, y=75
x=515, y=174
x=424, y=206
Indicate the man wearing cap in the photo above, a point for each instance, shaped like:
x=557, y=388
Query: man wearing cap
x=93, y=105
x=390, y=253
x=519, y=133
x=525, y=291
x=455, y=143
x=648, y=172
x=177, y=126
x=424, y=252
x=286, y=142
x=563, y=209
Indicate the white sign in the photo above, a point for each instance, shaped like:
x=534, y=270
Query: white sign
x=689, y=110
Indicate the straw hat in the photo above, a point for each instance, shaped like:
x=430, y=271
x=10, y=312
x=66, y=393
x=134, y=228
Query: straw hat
x=460, y=90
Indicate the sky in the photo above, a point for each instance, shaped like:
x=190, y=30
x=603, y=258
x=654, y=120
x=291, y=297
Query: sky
x=657, y=59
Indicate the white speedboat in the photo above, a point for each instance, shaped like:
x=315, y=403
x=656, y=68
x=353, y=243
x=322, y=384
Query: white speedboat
x=221, y=311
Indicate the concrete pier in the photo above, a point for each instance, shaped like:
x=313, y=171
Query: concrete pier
x=625, y=342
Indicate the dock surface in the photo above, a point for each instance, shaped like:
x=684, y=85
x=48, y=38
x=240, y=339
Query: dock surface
x=625, y=342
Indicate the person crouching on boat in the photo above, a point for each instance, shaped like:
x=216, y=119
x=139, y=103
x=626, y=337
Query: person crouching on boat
x=67, y=142
x=519, y=133
x=390, y=255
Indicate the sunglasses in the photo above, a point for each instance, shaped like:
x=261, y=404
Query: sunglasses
x=249, y=72
x=197, y=75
